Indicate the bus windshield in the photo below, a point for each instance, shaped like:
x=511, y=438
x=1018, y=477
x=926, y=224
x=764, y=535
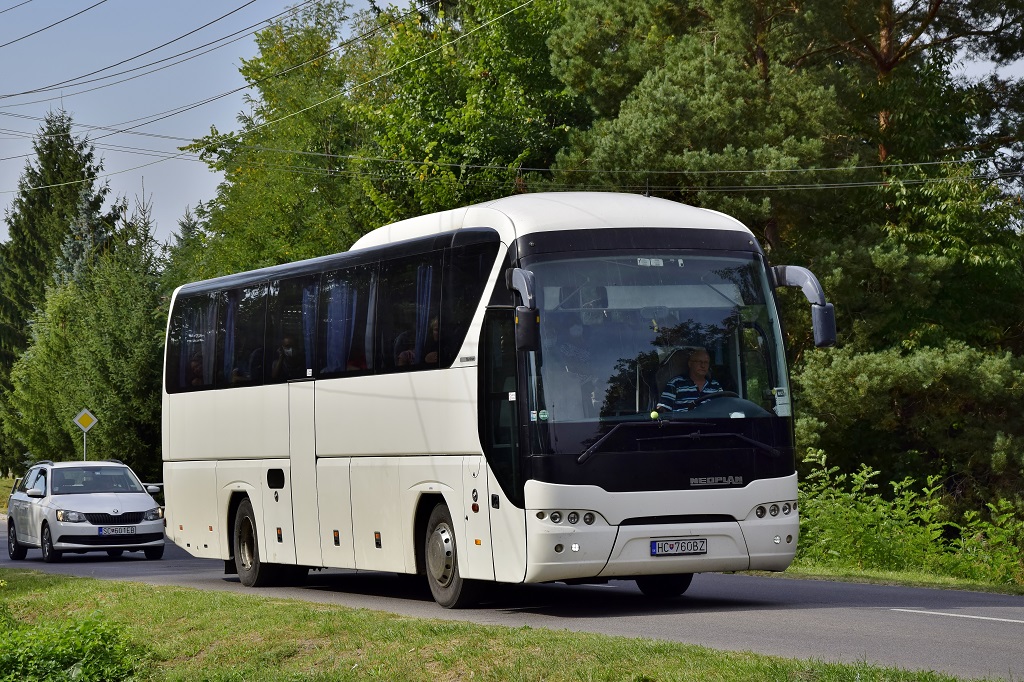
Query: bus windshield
x=617, y=330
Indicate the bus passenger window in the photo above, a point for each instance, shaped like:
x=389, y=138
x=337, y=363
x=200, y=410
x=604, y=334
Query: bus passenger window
x=291, y=326
x=409, y=306
x=243, y=317
x=343, y=336
x=467, y=269
x=191, y=345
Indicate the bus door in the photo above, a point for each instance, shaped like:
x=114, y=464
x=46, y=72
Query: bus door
x=499, y=434
x=302, y=444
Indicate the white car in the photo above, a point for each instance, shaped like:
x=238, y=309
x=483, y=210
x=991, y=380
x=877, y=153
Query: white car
x=83, y=507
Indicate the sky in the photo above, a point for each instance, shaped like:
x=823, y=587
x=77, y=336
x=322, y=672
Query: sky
x=138, y=163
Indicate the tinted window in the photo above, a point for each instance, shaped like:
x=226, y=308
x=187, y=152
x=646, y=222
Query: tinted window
x=242, y=326
x=408, y=310
x=466, y=271
x=291, y=329
x=191, y=349
x=345, y=340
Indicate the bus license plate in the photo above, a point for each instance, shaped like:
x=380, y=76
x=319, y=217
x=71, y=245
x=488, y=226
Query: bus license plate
x=677, y=547
x=117, y=530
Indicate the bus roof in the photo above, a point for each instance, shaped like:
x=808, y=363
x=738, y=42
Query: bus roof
x=548, y=211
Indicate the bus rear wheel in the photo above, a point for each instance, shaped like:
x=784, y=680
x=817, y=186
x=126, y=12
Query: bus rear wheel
x=441, y=559
x=664, y=586
x=251, y=571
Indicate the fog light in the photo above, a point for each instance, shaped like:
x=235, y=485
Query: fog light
x=540, y=515
x=588, y=518
x=760, y=512
x=558, y=549
x=572, y=517
x=777, y=540
x=789, y=539
x=575, y=547
x=785, y=508
x=556, y=517
x=773, y=510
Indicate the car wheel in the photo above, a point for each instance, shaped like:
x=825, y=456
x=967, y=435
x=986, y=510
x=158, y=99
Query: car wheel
x=114, y=553
x=664, y=586
x=50, y=555
x=251, y=571
x=154, y=552
x=440, y=556
x=15, y=549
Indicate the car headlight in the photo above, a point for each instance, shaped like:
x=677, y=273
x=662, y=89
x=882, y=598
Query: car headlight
x=154, y=514
x=68, y=516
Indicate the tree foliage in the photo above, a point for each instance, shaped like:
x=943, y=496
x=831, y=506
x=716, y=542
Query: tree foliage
x=97, y=342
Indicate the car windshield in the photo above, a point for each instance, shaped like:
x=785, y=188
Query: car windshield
x=86, y=479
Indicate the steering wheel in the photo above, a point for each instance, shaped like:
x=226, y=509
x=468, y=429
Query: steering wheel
x=714, y=396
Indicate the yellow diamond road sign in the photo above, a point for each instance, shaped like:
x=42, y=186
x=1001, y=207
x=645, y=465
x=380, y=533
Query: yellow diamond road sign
x=85, y=420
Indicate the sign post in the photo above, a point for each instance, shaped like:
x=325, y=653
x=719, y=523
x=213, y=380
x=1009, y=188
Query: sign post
x=85, y=420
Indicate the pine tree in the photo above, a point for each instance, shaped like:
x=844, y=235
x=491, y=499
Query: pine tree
x=57, y=185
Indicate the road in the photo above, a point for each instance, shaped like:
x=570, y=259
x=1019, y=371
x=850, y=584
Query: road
x=968, y=634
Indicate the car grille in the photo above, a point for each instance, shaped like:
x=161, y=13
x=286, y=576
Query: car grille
x=126, y=519
x=110, y=540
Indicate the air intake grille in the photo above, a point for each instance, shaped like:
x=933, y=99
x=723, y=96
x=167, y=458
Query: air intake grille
x=126, y=519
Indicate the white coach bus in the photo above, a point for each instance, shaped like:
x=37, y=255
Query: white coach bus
x=474, y=396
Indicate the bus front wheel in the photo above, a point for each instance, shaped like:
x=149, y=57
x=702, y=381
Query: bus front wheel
x=251, y=571
x=441, y=558
x=664, y=586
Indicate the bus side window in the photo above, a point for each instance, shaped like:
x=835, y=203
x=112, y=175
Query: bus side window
x=243, y=318
x=291, y=329
x=466, y=270
x=408, y=309
x=343, y=342
x=192, y=351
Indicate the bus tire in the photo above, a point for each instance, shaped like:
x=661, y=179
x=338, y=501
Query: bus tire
x=441, y=559
x=664, y=586
x=245, y=543
x=50, y=555
x=15, y=549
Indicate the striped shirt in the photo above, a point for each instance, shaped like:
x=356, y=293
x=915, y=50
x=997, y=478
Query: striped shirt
x=682, y=394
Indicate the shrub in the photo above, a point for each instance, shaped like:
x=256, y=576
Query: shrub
x=846, y=523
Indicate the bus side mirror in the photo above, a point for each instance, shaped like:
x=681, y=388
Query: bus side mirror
x=823, y=318
x=527, y=315
x=527, y=328
x=823, y=315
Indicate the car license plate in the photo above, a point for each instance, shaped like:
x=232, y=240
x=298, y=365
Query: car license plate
x=677, y=547
x=117, y=530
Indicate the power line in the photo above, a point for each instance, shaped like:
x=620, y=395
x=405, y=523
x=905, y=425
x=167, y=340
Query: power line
x=68, y=81
x=15, y=6
x=29, y=35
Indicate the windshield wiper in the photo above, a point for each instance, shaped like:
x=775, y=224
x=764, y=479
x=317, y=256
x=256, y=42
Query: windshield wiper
x=696, y=435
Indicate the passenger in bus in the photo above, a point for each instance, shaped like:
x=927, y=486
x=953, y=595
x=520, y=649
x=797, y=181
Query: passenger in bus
x=431, y=346
x=284, y=366
x=683, y=392
x=195, y=370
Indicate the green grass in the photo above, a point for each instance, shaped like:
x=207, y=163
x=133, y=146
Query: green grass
x=184, y=634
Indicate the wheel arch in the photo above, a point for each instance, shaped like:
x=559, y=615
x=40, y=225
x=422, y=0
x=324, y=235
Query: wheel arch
x=424, y=505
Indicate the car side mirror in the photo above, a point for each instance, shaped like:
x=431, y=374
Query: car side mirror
x=35, y=492
x=152, y=489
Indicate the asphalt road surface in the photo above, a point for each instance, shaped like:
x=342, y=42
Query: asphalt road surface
x=968, y=634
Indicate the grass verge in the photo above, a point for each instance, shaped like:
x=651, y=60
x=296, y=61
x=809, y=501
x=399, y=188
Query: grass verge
x=184, y=634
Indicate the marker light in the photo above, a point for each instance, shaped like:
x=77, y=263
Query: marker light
x=572, y=517
x=760, y=511
x=556, y=517
x=588, y=518
x=773, y=510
